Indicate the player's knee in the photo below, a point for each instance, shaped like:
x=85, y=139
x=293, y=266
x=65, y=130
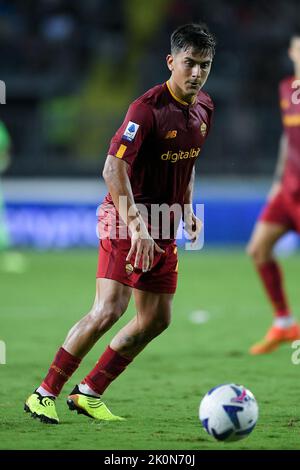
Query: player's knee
x=158, y=325
x=251, y=250
x=106, y=315
x=255, y=252
x=259, y=253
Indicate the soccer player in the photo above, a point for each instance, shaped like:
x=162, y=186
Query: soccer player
x=5, y=143
x=150, y=161
x=282, y=212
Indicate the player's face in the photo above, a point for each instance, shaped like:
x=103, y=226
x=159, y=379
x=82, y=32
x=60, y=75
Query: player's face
x=190, y=69
x=294, y=51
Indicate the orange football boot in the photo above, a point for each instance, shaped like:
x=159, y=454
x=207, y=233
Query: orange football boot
x=274, y=337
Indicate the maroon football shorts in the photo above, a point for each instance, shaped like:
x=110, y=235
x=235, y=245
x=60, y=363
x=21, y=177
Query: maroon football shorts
x=112, y=264
x=284, y=210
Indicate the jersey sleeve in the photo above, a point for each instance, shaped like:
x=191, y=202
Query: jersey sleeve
x=129, y=138
x=207, y=103
x=211, y=111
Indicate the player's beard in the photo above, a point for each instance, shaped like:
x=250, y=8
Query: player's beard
x=192, y=91
x=194, y=85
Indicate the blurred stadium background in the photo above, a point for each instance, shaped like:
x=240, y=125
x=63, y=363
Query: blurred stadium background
x=71, y=68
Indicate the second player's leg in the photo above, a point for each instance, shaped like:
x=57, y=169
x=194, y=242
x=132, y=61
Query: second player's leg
x=152, y=318
x=260, y=248
x=262, y=241
x=110, y=303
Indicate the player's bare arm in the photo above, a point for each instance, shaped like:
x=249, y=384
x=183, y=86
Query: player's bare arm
x=279, y=170
x=192, y=225
x=116, y=177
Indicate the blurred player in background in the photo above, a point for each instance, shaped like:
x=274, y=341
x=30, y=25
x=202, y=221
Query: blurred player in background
x=150, y=161
x=5, y=144
x=282, y=211
x=11, y=261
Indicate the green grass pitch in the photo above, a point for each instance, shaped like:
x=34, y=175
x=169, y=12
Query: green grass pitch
x=159, y=394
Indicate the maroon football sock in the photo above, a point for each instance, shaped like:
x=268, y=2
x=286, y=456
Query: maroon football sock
x=271, y=277
x=110, y=365
x=61, y=369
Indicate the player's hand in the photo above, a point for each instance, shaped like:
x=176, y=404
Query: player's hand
x=192, y=226
x=144, y=247
x=275, y=188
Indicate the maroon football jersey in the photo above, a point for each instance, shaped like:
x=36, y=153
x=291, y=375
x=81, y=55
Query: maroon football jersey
x=160, y=139
x=289, y=94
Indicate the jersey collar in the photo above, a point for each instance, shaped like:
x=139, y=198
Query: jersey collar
x=179, y=100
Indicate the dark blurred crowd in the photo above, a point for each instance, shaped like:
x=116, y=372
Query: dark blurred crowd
x=39, y=37
x=47, y=49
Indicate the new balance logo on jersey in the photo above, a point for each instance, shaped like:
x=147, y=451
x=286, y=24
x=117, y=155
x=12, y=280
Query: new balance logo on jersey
x=180, y=155
x=171, y=135
x=130, y=131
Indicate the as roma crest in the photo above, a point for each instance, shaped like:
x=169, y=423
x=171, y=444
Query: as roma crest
x=203, y=128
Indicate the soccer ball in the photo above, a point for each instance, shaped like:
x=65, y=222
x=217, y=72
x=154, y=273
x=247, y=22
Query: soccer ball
x=228, y=412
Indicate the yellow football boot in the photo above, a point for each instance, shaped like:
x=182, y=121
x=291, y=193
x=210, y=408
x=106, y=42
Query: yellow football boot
x=42, y=408
x=90, y=406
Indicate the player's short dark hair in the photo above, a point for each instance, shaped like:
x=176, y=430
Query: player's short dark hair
x=195, y=35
